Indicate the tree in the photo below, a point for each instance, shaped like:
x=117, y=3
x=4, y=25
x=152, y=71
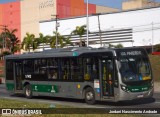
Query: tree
x=80, y=30
x=12, y=42
x=42, y=39
x=118, y=46
x=29, y=42
x=157, y=48
x=62, y=41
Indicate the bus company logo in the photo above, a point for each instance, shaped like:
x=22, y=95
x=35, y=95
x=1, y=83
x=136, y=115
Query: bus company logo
x=6, y=112
x=11, y=112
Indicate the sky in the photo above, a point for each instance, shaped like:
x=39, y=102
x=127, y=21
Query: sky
x=109, y=3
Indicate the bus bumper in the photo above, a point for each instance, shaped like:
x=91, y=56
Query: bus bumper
x=123, y=96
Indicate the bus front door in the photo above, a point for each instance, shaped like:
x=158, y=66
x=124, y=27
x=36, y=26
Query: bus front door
x=107, y=77
x=18, y=75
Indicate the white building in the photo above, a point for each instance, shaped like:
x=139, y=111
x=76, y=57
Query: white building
x=145, y=25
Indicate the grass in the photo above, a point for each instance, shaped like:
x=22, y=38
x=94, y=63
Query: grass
x=155, y=63
x=6, y=103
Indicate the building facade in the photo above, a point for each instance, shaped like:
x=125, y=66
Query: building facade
x=139, y=4
x=130, y=28
x=25, y=15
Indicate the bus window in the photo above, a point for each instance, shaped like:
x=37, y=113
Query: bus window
x=43, y=67
x=37, y=66
x=88, y=68
x=95, y=70
x=28, y=66
x=74, y=68
x=65, y=69
x=9, y=70
x=81, y=69
x=52, y=68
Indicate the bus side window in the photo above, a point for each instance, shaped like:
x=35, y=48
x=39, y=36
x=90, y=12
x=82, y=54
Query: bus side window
x=28, y=66
x=95, y=69
x=52, y=68
x=65, y=69
x=43, y=68
x=74, y=68
x=87, y=68
x=9, y=70
x=36, y=66
x=81, y=69
x=90, y=68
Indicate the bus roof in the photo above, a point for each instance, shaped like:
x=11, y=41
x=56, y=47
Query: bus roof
x=65, y=52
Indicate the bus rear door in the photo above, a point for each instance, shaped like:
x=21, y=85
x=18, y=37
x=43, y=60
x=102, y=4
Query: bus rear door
x=107, y=77
x=18, y=75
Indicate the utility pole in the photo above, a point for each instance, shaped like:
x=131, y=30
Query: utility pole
x=87, y=22
x=99, y=30
x=152, y=38
x=99, y=27
x=56, y=30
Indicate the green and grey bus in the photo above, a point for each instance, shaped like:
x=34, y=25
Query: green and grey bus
x=104, y=74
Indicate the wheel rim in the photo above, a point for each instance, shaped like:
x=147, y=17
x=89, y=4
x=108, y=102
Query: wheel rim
x=28, y=92
x=89, y=96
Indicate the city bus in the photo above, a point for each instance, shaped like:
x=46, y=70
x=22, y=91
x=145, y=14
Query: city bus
x=92, y=74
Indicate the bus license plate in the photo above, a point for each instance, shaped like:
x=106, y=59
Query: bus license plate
x=140, y=96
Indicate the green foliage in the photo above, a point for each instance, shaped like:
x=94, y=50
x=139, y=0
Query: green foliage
x=4, y=53
x=30, y=42
x=80, y=30
x=157, y=48
x=118, y=46
x=12, y=42
x=61, y=40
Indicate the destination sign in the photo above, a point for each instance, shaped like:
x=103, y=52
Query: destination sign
x=131, y=52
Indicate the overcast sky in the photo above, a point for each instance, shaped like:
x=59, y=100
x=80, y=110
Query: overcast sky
x=109, y=3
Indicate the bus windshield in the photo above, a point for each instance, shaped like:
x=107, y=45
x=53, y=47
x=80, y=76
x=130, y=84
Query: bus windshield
x=134, y=69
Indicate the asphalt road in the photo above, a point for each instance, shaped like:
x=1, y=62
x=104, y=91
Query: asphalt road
x=147, y=103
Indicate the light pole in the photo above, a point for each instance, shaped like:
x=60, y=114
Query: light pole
x=152, y=37
x=56, y=30
x=87, y=22
x=99, y=27
x=99, y=30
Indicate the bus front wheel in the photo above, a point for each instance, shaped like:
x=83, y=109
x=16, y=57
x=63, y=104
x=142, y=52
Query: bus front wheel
x=28, y=91
x=89, y=96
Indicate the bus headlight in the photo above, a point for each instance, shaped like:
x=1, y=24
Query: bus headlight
x=124, y=88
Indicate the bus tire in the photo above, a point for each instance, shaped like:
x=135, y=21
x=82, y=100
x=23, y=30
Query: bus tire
x=28, y=91
x=89, y=96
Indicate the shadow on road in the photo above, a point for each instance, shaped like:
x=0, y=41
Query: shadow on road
x=117, y=104
x=129, y=103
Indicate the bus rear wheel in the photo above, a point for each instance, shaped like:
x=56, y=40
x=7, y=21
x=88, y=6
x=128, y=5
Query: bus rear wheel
x=89, y=96
x=28, y=91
